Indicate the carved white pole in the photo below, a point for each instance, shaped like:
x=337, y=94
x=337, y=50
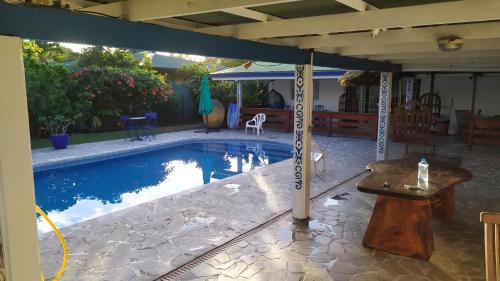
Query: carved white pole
x=409, y=88
x=17, y=194
x=302, y=140
x=239, y=94
x=384, y=108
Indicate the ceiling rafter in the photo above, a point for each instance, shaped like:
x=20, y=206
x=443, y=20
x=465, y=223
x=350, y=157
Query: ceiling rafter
x=430, y=14
x=251, y=14
x=437, y=55
x=358, y=5
x=486, y=30
x=472, y=45
x=450, y=68
x=177, y=23
x=140, y=10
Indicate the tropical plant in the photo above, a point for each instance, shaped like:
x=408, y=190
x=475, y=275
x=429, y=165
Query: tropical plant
x=224, y=91
x=47, y=52
x=117, y=58
x=103, y=84
x=255, y=93
x=53, y=105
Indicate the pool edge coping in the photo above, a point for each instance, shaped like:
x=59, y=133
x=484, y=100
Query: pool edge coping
x=68, y=161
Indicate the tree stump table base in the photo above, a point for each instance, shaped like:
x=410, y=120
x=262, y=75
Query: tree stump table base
x=443, y=203
x=408, y=233
x=401, y=222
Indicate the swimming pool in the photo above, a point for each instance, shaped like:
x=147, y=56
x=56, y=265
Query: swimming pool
x=83, y=190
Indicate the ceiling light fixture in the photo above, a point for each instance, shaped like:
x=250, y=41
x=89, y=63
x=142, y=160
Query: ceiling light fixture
x=450, y=44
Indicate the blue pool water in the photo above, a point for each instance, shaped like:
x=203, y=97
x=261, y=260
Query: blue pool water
x=79, y=192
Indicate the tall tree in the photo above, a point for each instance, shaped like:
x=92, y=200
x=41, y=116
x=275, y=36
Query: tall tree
x=106, y=57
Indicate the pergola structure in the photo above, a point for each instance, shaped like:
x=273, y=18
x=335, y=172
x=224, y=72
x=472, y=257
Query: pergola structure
x=371, y=35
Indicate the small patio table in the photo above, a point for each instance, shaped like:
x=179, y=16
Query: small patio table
x=136, y=127
x=401, y=222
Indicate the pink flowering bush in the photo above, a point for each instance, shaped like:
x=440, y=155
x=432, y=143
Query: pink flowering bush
x=115, y=91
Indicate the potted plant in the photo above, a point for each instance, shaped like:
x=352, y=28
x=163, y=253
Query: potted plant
x=57, y=126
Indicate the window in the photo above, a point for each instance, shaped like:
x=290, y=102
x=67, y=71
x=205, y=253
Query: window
x=316, y=89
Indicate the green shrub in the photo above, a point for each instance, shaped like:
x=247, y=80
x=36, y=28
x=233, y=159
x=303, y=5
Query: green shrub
x=105, y=84
x=53, y=103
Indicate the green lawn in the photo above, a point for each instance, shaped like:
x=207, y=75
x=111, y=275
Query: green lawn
x=95, y=137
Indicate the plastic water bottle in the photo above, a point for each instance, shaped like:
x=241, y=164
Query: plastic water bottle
x=423, y=171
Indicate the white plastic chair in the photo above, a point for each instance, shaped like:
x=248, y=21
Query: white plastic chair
x=318, y=154
x=256, y=123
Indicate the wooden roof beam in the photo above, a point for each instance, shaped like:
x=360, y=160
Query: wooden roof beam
x=486, y=30
x=451, y=68
x=62, y=25
x=471, y=45
x=436, y=55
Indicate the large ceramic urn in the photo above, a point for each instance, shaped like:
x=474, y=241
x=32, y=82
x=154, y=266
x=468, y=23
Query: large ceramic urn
x=216, y=118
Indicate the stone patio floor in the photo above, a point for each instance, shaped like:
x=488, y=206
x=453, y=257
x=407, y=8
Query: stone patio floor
x=330, y=247
x=148, y=240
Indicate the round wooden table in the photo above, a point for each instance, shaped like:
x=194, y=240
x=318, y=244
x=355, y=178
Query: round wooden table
x=401, y=222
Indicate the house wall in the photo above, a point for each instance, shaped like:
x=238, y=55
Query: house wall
x=459, y=87
x=456, y=86
x=329, y=92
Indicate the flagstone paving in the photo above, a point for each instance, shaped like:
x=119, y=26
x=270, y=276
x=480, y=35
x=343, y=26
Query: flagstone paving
x=145, y=241
x=329, y=248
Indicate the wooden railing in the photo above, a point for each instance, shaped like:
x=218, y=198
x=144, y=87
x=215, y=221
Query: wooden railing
x=484, y=130
x=355, y=124
x=278, y=119
x=331, y=123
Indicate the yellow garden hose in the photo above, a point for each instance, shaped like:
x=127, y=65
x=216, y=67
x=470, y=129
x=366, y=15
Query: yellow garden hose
x=63, y=244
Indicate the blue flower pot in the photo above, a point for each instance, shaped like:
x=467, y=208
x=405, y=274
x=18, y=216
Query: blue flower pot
x=59, y=141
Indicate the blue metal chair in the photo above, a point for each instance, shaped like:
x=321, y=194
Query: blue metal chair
x=150, y=125
x=126, y=126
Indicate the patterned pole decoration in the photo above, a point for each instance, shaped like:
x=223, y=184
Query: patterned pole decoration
x=302, y=140
x=239, y=95
x=409, y=89
x=384, y=108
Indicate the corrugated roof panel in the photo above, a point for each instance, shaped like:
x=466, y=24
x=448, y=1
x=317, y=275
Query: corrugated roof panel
x=383, y=4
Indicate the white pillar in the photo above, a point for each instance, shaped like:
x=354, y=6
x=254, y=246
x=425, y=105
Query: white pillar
x=384, y=109
x=17, y=198
x=239, y=94
x=302, y=140
x=409, y=88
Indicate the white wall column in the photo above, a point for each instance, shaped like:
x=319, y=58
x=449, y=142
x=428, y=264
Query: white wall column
x=384, y=109
x=17, y=198
x=239, y=93
x=409, y=88
x=302, y=140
